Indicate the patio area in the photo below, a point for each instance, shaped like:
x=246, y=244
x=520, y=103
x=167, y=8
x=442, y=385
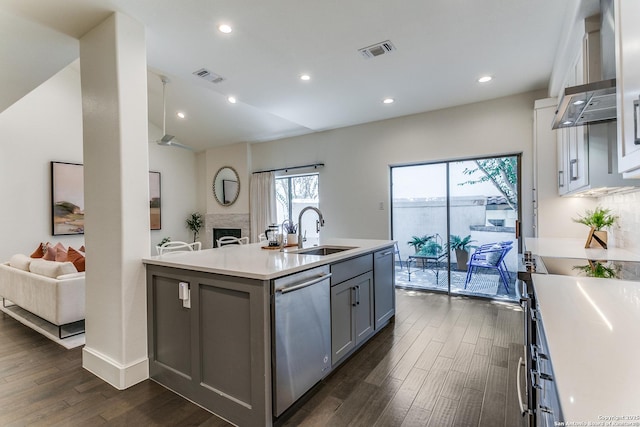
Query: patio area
x=483, y=283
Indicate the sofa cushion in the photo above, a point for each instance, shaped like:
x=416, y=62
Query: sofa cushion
x=20, y=261
x=61, y=252
x=49, y=252
x=77, y=258
x=39, y=251
x=51, y=269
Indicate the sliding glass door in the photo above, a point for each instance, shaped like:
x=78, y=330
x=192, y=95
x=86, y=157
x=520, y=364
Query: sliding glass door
x=419, y=224
x=455, y=226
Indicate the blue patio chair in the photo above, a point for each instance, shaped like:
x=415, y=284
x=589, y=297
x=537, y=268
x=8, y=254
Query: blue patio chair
x=490, y=256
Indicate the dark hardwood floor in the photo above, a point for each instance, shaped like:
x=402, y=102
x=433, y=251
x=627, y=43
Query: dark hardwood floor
x=443, y=362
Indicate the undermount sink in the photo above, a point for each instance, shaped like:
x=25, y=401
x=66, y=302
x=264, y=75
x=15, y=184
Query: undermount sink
x=322, y=250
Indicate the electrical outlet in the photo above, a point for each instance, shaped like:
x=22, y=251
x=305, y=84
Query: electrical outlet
x=381, y=206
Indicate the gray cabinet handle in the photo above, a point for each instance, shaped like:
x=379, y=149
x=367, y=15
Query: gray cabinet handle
x=560, y=180
x=523, y=408
x=573, y=169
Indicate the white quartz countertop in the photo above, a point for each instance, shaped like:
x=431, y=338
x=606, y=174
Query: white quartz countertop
x=574, y=248
x=253, y=262
x=593, y=336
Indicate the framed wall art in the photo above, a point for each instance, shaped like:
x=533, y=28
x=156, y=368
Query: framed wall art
x=67, y=198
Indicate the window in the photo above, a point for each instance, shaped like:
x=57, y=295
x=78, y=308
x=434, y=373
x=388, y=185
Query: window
x=293, y=193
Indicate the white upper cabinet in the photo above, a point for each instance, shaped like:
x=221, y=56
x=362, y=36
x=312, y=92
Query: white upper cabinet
x=572, y=153
x=627, y=34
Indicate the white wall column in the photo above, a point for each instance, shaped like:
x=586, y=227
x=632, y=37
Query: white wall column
x=114, y=101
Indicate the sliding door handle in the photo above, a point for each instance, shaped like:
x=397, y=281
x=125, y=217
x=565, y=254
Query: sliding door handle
x=636, y=108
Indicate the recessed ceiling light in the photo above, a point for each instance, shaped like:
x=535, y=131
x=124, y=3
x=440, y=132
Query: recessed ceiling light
x=232, y=99
x=567, y=122
x=225, y=28
x=485, y=79
x=180, y=115
x=579, y=102
x=305, y=77
x=388, y=101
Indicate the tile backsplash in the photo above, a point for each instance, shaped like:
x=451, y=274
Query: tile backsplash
x=626, y=232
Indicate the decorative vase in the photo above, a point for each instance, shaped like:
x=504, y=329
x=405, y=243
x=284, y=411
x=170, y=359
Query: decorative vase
x=462, y=259
x=597, y=239
x=292, y=239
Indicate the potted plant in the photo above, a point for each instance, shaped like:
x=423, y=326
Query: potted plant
x=597, y=219
x=418, y=242
x=461, y=246
x=195, y=223
x=291, y=230
x=430, y=248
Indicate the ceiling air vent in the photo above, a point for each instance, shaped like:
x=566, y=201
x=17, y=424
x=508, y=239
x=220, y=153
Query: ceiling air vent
x=377, y=49
x=203, y=73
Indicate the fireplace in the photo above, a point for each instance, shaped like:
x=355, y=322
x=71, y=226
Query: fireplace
x=222, y=232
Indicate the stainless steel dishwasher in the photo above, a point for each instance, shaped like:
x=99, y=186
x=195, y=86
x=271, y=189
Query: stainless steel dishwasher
x=301, y=331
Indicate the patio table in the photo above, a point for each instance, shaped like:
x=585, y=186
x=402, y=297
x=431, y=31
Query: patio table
x=434, y=260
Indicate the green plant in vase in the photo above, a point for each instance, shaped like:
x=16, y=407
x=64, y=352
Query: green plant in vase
x=195, y=223
x=430, y=248
x=461, y=246
x=597, y=219
x=418, y=242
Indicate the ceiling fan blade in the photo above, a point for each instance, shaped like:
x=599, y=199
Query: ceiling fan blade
x=166, y=139
x=179, y=145
x=170, y=141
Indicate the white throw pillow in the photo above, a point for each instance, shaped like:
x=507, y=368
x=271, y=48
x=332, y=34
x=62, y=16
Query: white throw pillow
x=52, y=269
x=20, y=261
x=494, y=257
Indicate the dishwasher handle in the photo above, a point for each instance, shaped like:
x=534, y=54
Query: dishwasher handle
x=304, y=284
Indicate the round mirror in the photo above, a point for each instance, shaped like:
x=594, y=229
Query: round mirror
x=226, y=185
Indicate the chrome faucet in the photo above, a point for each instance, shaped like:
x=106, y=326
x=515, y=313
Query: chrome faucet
x=319, y=222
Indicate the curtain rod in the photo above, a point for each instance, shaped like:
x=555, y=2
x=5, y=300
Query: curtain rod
x=315, y=166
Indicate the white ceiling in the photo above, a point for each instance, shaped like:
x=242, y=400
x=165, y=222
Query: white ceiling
x=443, y=46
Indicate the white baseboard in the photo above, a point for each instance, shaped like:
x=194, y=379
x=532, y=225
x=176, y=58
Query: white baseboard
x=119, y=376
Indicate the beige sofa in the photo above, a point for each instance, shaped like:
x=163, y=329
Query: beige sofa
x=57, y=298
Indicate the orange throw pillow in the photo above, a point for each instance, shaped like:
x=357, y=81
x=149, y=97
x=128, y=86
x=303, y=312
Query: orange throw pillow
x=39, y=252
x=76, y=258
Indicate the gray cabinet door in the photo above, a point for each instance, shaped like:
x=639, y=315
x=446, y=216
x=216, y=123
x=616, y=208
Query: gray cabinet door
x=364, y=319
x=215, y=353
x=342, y=322
x=352, y=316
x=170, y=330
x=384, y=287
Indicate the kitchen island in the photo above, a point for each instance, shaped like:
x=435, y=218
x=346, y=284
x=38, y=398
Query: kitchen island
x=592, y=329
x=216, y=334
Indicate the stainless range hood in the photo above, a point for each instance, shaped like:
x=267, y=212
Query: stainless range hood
x=589, y=103
x=595, y=101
